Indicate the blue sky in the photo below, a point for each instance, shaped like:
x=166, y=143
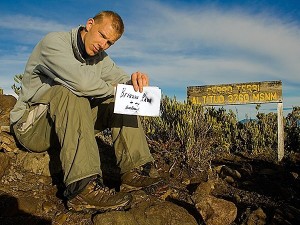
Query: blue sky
x=178, y=43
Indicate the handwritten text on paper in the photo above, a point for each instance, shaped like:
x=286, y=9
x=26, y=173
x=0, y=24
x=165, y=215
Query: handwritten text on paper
x=130, y=102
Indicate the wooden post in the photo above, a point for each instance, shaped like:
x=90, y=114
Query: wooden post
x=280, y=131
x=1, y=91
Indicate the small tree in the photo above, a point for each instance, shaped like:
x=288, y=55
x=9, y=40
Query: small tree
x=17, y=85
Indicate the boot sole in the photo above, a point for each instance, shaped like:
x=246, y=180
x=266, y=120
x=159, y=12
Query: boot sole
x=91, y=208
x=148, y=189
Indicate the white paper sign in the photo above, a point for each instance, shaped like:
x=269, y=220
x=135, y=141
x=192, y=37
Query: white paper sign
x=130, y=102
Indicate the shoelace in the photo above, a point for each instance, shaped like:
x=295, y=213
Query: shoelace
x=99, y=186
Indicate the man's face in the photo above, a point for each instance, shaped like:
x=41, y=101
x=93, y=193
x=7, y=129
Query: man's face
x=99, y=36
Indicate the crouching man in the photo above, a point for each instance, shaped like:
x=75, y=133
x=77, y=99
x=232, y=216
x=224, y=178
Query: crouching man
x=67, y=93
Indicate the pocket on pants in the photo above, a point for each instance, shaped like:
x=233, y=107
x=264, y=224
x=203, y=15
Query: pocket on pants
x=34, y=130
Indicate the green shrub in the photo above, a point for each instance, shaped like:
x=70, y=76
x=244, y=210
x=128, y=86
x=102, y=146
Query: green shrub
x=182, y=133
x=193, y=135
x=17, y=85
x=292, y=130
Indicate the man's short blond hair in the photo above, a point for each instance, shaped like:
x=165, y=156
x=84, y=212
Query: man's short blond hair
x=117, y=22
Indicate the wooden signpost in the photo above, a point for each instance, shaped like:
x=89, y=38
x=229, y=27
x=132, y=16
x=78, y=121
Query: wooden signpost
x=242, y=93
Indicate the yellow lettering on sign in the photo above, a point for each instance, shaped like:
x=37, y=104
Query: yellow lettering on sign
x=243, y=93
x=244, y=98
x=248, y=88
x=267, y=96
x=255, y=97
x=213, y=99
x=196, y=100
x=274, y=96
x=219, y=90
x=264, y=96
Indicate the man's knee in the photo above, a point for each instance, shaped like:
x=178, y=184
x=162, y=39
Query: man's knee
x=62, y=95
x=59, y=90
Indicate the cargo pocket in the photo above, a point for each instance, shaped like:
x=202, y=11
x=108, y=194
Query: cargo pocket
x=34, y=129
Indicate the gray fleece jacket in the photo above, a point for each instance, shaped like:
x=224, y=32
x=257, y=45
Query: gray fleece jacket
x=56, y=60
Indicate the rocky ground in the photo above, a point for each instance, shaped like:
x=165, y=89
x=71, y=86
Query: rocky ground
x=234, y=190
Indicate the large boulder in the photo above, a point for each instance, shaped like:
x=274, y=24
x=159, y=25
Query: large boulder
x=7, y=142
x=214, y=211
x=7, y=102
x=147, y=211
x=4, y=164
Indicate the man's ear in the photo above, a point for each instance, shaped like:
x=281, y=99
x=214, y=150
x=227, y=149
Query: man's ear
x=89, y=24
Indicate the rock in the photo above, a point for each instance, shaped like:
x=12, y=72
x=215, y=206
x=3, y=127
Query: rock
x=246, y=170
x=8, y=205
x=4, y=164
x=5, y=129
x=7, y=142
x=46, y=180
x=229, y=179
x=226, y=171
x=37, y=163
x=286, y=214
x=148, y=212
x=28, y=204
x=60, y=219
x=19, y=176
x=295, y=175
x=257, y=217
x=7, y=102
x=204, y=189
x=48, y=206
x=199, y=178
x=115, y=217
x=214, y=211
x=11, y=205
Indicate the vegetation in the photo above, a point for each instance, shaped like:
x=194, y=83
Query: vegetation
x=17, y=85
x=292, y=130
x=191, y=134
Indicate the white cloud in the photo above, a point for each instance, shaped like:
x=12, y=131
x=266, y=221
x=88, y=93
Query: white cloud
x=207, y=45
x=29, y=23
x=20, y=37
x=181, y=46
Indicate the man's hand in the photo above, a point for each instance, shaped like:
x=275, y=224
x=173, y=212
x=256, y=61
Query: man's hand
x=139, y=80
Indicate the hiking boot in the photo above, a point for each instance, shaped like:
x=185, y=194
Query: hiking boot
x=95, y=196
x=142, y=178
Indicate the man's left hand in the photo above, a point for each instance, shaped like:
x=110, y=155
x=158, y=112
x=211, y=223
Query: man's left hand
x=139, y=80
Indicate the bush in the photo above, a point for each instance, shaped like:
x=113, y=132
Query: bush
x=17, y=85
x=182, y=133
x=292, y=130
x=193, y=135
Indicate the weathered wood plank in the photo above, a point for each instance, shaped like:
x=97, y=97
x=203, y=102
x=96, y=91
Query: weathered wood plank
x=236, y=93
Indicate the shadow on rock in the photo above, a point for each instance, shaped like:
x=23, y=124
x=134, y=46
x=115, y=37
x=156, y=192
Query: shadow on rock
x=11, y=214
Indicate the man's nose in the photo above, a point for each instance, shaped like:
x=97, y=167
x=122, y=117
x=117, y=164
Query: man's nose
x=103, y=43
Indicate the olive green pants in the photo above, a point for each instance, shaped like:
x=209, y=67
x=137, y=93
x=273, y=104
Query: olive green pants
x=61, y=115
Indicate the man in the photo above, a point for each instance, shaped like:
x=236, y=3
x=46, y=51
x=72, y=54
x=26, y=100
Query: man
x=67, y=94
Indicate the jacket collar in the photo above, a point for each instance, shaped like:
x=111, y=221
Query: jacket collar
x=91, y=60
x=76, y=51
